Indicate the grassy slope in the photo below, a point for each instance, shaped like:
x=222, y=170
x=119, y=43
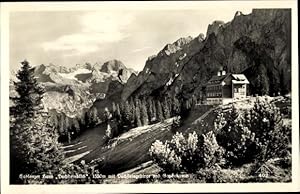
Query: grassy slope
x=132, y=147
x=130, y=150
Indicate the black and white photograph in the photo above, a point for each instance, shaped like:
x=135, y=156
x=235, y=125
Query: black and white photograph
x=142, y=93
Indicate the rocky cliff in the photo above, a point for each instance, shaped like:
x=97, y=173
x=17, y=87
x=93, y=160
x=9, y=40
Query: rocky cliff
x=243, y=45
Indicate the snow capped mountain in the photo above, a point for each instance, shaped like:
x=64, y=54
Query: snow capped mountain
x=73, y=90
x=72, y=75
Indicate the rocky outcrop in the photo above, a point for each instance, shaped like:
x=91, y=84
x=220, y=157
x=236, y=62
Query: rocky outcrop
x=261, y=38
x=160, y=68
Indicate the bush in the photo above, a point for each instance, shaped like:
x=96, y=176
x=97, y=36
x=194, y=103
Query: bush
x=271, y=136
x=187, y=154
x=219, y=175
x=237, y=139
x=177, y=122
x=165, y=157
x=259, y=134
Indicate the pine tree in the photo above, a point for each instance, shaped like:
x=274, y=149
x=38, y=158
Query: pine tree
x=160, y=115
x=283, y=83
x=261, y=83
x=54, y=121
x=114, y=109
x=149, y=109
x=194, y=100
x=82, y=121
x=144, y=114
x=176, y=107
x=132, y=110
x=154, y=115
x=118, y=112
x=138, y=116
x=93, y=116
x=166, y=110
x=127, y=113
x=62, y=125
x=67, y=125
x=76, y=125
x=34, y=147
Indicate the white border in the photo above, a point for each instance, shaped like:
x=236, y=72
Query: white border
x=6, y=8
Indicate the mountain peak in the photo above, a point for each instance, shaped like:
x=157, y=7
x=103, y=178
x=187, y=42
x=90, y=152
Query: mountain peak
x=177, y=45
x=112, y=65
x=214, y=27
x=183, y=41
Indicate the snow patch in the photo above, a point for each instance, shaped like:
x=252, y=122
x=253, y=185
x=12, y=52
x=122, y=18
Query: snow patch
x=73, y=74
x=147, y=71
x=170, y=81
x=182, y=57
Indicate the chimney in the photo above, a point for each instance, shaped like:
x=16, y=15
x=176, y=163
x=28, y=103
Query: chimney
x=219, y=73
x=223, y=72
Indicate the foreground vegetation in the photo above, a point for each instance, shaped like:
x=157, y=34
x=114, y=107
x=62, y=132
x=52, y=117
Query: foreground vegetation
x=249, y=146
x=238, y=146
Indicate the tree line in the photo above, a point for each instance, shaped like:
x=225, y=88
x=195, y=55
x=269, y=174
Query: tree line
x=137, y=112
x=70, y=127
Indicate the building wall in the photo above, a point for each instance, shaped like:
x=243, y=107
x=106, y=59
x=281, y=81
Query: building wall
x=211, y=101
x=227, y=91
x=239, y=91
x=227, y=100
x=214, y=91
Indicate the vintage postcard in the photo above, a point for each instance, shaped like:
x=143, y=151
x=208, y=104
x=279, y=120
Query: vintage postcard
x=114, y=97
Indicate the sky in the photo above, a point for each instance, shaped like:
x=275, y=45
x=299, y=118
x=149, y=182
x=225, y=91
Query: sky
x=74, y=37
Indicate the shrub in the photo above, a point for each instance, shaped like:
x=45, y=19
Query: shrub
x=259, y=134
x=271, y=136
x=165, y=157
x=237, y=139
x=187, y=154
x=219, y=175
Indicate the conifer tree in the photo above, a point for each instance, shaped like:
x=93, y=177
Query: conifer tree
x=82, y=121
x=76, y=125
x=138, y=116
x=93, y=116
x=62, y=125
x=132, y=110
x=160, y=115
x=54, y=121
x=176, y=108
x=118, y=112
x=166, y=109
x=114, y=109
x=127, y=113
x=67, y=125
x=154, y=115
x=144, y=114
x=34, y=147
x=149, y=109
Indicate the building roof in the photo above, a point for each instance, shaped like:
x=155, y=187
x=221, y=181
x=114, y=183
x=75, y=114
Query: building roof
x=216, y=79
x=237, y=79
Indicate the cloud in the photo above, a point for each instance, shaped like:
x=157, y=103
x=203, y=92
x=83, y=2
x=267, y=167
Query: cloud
x=141, y=49
x=98, y=28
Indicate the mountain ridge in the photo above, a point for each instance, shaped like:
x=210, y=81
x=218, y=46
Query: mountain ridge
x=183, y=71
